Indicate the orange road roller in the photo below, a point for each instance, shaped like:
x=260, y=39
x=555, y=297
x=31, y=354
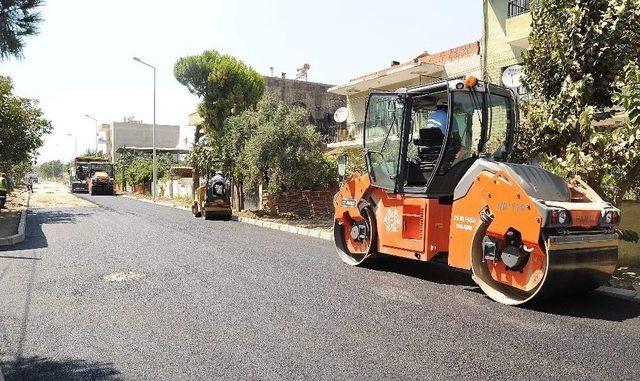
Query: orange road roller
x=438, y=182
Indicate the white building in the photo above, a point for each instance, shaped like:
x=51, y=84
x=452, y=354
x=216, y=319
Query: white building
x=132, y=133
x=459, y=61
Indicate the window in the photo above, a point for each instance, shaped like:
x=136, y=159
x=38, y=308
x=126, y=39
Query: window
x=102, y=167
x=419, y=119
x=466, y=128
x=500, y=122
x=383, y=131
x=517, y=7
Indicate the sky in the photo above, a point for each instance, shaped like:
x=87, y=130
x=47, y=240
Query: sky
x=82, y=60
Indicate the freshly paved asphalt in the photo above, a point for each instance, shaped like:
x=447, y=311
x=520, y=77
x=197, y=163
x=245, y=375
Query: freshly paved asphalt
x=226, y=300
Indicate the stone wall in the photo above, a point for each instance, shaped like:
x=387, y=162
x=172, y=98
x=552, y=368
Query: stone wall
x=300, y=203
x=311, y=96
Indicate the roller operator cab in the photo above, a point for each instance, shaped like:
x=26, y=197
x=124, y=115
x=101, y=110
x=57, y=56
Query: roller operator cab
x=438, y=183
x=213, y=199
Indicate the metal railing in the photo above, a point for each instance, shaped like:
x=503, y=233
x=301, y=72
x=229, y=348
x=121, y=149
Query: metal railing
x=517, y=7
x=343, y=132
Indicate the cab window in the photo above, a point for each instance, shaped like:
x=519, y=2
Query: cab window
x=500, y=123
x=382, y=138
x=464, y=141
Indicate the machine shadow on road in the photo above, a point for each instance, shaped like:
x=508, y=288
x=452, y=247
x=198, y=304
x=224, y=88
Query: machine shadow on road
x=429, y=271
x=35, y=236
x=43, y=368
x=590, y=305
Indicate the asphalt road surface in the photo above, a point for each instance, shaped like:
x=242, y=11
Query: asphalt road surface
x=133, y=291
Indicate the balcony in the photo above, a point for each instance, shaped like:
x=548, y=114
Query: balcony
x=351, y=136
x=517, y=7
x=518, y=23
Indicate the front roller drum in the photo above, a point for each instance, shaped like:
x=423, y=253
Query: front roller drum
x=573, y=265
x=356, y=240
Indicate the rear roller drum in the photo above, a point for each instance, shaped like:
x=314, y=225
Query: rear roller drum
x=356, y=240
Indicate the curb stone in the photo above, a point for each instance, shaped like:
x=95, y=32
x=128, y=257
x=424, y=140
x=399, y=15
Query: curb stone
x=315, y=233
x=22, y=227
x=619, y=293
x=19, y=237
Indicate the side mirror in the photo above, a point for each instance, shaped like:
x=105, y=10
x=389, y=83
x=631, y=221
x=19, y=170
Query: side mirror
x=342, y=165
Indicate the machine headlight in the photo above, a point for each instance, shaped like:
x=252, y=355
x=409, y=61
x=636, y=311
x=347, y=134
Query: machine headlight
x=559, y=217
x=563, y=217
x=608, y=217
x=611, y=217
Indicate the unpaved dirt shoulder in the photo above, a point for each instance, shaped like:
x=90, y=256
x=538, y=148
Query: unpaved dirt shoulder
x=55, y=195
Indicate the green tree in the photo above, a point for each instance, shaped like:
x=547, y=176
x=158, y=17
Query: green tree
x=22, y=127
x=238, y=129
x=18, y=19
x=90, y=153
x=138, y=168
x=580, y=69
x=286, y=153
x=51, y=170
x=204, y=156
x=225, y=85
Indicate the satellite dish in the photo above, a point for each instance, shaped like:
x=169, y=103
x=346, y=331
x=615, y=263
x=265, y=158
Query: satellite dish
x=340, y=116
x=512, y=76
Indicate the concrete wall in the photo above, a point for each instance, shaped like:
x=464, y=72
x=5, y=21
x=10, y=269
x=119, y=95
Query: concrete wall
x=137, y=134
x=175, y=188
x=311, y=96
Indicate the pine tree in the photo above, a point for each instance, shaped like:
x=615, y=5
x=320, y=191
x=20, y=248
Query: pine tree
x=18, y=19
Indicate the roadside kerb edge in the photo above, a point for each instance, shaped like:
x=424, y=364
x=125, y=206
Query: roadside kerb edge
x=22, y=227
x=315, y=233
x=619, y=293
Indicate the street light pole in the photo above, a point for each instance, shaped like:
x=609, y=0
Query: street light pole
x=75, y=144
x=96, y=121
x=153, y=132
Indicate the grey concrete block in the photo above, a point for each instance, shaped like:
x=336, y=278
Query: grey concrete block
x=618, y=293
x=326, y=235
x=314, y=233
x=20, y=235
